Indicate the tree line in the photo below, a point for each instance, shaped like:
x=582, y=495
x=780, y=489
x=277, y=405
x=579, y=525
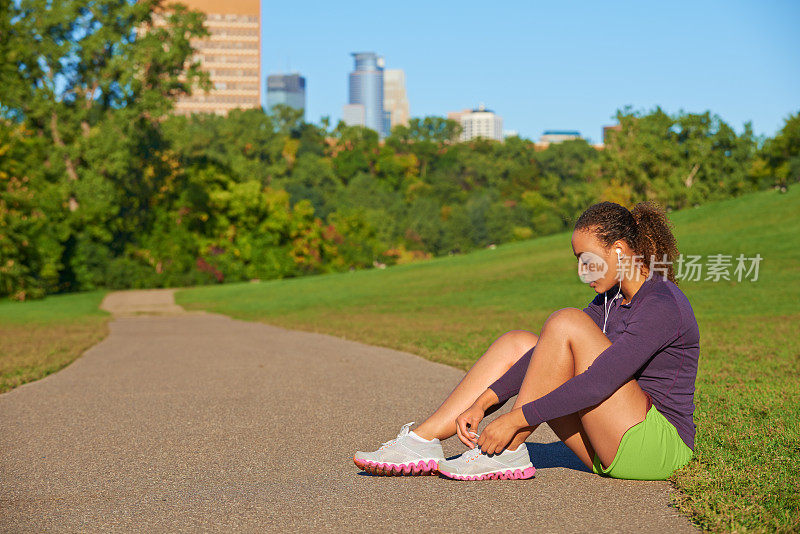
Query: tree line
x=101, y=186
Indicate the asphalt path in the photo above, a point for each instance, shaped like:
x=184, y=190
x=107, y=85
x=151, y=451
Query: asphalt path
x=186, y=422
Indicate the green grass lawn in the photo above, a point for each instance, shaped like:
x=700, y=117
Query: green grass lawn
x=746, y=470
x=40, y=337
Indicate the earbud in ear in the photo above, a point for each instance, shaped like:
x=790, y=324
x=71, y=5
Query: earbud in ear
x=619, y=251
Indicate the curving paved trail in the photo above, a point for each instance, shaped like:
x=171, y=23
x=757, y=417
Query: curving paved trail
x=197, y=422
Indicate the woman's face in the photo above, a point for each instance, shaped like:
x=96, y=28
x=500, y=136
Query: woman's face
x=597, y=265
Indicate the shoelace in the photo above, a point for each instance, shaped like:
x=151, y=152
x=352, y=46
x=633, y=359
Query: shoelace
x=472, y=454
x=403, y=432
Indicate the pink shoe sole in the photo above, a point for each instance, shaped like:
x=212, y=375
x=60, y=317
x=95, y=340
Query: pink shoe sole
x=388, y=470
x=517, y=474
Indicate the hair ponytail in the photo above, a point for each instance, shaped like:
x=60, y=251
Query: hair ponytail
x=655, y=239
x=646, y=229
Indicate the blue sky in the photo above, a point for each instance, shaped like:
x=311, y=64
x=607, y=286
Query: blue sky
x=550, y=65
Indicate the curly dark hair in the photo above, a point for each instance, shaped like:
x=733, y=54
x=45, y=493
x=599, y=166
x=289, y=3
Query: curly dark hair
x=646, y=229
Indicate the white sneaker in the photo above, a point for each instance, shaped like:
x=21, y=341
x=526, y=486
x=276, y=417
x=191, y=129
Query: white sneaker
x=404, y=455
x=474, y=465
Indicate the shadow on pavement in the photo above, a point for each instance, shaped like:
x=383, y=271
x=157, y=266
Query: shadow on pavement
x=555, y=454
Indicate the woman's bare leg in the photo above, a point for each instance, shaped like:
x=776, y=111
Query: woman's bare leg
x=499, y=357
x=569, y=343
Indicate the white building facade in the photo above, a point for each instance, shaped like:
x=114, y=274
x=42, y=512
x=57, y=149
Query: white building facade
x=354, y=114
x=480, y=122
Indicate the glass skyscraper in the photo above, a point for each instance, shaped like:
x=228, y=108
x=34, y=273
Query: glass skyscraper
x=366, y=89
x=288, y=89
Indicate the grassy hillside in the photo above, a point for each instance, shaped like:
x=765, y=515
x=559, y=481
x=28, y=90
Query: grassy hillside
x=40, y=337
x=449, y=308
x=745, y=471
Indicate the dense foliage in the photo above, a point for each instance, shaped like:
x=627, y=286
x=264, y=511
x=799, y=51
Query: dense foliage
x=101, y=187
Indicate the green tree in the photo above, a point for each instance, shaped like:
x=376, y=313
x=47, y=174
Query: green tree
x=94, y=77
x=355, y=151
x=778, y=161
x=677, y=161
x=29, y=250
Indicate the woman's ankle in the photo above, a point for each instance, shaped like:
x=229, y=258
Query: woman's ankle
x=426, y=432
x=518, y=440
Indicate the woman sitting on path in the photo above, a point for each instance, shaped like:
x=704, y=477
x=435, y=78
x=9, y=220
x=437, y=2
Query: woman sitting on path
x=615, y=381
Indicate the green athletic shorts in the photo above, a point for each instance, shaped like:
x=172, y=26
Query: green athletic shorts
x=650, y=450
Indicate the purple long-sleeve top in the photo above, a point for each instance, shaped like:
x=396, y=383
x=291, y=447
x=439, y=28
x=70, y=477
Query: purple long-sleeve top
x=654, y=339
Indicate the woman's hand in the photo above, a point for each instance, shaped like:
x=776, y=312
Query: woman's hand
x=499, y=433
x=467, y=425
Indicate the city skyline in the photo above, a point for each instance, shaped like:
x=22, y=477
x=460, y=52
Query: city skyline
x=549, y=67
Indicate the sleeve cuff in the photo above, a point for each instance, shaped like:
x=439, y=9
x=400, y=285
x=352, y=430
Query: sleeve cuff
x=502, y=395
x=531, y=414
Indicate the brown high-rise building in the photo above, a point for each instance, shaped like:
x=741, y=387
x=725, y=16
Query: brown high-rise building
x=231, y=55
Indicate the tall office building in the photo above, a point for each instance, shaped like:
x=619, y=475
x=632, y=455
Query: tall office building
x=231, y=55
x=480, y=122
x=366, y=90
x=287, y=89
x=395, y=100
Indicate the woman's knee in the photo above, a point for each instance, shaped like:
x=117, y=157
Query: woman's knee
x=519, y=341
x=566, y=320
x=579, y=332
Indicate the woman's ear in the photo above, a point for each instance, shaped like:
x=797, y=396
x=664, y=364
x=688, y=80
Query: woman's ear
x=622, y=246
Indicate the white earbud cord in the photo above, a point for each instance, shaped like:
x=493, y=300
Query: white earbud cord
x=606, y=311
